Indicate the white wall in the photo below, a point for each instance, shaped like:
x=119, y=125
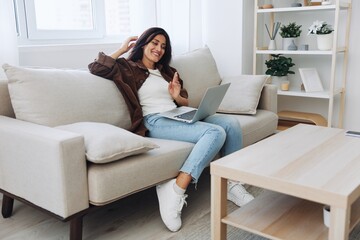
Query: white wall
x=8, y=47
x=228, y=33
x=352, y=109
x=222, y=32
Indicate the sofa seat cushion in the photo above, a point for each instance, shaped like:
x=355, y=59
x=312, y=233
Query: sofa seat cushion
x=53, y=97
x=107, y=143
x=258, y=126
x=112, y=181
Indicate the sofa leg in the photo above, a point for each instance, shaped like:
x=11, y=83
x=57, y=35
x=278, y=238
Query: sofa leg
x=76, y=226
x=7, y=206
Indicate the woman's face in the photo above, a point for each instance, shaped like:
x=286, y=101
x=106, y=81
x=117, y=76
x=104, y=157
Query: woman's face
x=154, y=50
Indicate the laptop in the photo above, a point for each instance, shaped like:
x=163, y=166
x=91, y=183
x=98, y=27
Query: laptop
x=208, y=106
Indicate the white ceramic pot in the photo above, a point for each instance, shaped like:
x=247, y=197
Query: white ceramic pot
x=324, y=41
x=278, y=81
x=281, y=3
x=286, y=42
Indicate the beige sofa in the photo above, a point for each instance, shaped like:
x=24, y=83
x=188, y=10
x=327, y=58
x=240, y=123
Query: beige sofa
x=58, y=128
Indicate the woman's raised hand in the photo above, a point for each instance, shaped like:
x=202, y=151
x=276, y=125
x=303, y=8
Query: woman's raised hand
x=128, y=44
x=174, y=90
x=175, y=87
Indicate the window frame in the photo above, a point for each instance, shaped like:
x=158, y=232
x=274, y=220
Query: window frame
x=142, y=14
x=28, y=34
x=36, y=34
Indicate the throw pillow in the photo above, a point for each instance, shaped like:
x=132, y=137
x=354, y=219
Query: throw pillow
x=53, y=97
x=106, y=143
x=198, y=70
x=243, y=94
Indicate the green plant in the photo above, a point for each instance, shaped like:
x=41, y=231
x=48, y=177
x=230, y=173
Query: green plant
x=292, y=30
x=279, y=65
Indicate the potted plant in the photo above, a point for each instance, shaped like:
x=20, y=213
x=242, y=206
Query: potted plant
x=279, y=67
x=289, y=33
x=324, y=34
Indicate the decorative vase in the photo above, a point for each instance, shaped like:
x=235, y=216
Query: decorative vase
x=292, y=46
x=286, y=42
x=272, y=45
x=324, y=41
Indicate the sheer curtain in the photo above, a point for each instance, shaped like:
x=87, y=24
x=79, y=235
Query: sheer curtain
x=183, y=21
x=8, y=40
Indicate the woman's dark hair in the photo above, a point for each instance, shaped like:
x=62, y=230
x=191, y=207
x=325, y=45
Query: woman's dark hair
x=137, y=52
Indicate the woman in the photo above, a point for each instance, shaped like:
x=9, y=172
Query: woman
x=149, y=86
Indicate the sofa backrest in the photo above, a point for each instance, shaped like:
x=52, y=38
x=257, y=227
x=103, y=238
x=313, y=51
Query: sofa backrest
x=55, y=97
x=198, y=70
x=6, y=108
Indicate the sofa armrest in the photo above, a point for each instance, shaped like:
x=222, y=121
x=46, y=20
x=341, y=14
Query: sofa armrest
x=268, y=99
x=43, y=165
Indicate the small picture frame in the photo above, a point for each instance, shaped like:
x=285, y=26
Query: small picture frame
x=311, y=80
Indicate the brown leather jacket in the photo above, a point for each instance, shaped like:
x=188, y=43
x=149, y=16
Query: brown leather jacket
x=129, y=77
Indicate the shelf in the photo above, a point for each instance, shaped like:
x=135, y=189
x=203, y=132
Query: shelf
x=299, y=52
x=335, y=63
x=278, y=216
x=303, y=9
x=294, y=93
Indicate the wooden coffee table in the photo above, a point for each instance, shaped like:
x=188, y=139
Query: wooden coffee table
x=301, y=169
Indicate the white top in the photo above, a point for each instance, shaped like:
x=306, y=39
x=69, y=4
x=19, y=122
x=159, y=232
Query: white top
x=154, y=94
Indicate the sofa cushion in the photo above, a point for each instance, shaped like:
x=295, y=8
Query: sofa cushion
x=106, y=143
x=5, y=106
x=243, y=94
x=258, y=126
x=112, y=181
x=198, y=71
x=55, y=97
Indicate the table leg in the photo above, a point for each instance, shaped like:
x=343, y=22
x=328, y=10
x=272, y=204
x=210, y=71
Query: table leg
x=218, y=207
x=339, y=223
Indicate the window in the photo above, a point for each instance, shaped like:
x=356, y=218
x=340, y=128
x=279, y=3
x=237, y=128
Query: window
x=58, y=21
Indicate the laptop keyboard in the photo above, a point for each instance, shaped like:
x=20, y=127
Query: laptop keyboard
x=187, y=115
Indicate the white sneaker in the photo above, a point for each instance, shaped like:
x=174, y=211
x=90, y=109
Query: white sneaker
x=238, y=194
x=170, y=204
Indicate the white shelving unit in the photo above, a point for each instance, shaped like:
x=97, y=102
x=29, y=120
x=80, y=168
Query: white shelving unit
x=335, y=85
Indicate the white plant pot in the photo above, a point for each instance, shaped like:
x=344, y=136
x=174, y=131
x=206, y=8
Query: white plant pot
x=324, y=41
x=278, y=81
x=280, y=3
x=286, y=42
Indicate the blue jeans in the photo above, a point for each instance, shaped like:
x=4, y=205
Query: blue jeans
x=211, y=135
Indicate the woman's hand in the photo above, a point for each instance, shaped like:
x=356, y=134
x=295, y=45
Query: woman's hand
x=174, y=90
x=175, y=87
x=128, y=44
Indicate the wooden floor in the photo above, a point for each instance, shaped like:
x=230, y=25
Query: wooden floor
x=133, y=218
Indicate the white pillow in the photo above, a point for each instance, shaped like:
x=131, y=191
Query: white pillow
x=54, y=97
x=243, y=94
x=106, y=143
x=198, y=70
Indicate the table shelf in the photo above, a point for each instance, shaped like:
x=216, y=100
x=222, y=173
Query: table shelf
x=279, y=216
